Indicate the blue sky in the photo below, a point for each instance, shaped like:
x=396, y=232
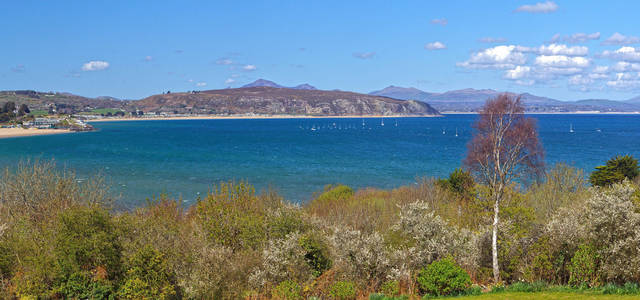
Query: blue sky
x=131, y=49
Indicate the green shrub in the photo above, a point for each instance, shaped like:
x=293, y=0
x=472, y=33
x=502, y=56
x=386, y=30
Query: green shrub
x=390, y=288
x=287, y=290
x=343, y=290
x=443, y=278
x=80, y=285
x=87, y=240
x=584, y=267
x=615, y=171
x=316, y=253
x=526, y=287
x=459, y=182
x=148, y=277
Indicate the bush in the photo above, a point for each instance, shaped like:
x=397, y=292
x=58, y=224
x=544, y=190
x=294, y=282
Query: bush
x=390, y=288
x=287, y=290
x=443, y=278
x=148, y=277
x=80, y=285
x=87, y=240
x=615, y=171
x=343, y=290
x=316, y=253
x=584, y=267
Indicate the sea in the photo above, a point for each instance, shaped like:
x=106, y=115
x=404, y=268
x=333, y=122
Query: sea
x=298, y=157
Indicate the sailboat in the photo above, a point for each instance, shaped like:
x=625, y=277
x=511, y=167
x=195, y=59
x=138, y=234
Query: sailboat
x=382, y=122
x=571, y=128
x=456, y=131
x=396, y=123
x=443, y=132
x=362, y=122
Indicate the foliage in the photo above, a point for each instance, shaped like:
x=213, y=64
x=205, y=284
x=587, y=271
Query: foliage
x=390, y=288
x=615, y=171
x=316, y=253
x=343, y=290
x=87, y=240
x=287, y=290
x=459, y=182
x=584, y=267
x=443, y=277
x=148, y=277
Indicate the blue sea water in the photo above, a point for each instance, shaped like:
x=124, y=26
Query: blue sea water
x=184, y=158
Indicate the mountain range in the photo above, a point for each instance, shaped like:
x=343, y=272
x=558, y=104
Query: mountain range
x=267, y=97
x=470, y=100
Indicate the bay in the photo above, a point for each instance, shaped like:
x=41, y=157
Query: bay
x=297, y=157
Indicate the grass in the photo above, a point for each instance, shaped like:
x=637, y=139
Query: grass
x=39, y=113
x=545, y=295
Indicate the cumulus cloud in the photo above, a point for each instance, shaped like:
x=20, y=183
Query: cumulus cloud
x=518, y=72
x=624, y=53
x=562, y=61
x=491, y=40
x=224, y=61
x=442, y=22
x=249, y=68
x=229, y=81
x=625, y=81
x=95, y=65
x=148, y=58
x=201, y=84
x=580, y=80
x=559, y=49
x=575, y=38
x=540, y=7
x=364, y=55
x=619, y=39
x=499, y=57
x=623, y=66
x=435, y=46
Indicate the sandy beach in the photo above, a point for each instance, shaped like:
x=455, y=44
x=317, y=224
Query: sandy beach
x=152, y=118
x=17, y=132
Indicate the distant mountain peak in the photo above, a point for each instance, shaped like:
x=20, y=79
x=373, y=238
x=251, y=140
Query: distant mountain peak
x=262, y=82
x=268, y=83
x=304, y=86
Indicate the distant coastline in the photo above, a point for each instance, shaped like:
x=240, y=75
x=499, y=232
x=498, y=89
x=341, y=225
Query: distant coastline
x=257, y=117
x=20, y=132
x=553, y=113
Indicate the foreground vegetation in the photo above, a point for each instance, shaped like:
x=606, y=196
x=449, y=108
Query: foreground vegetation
x=62, y=239
x=508, y=236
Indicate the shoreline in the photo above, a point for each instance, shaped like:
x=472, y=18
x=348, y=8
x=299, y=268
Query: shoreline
x=242, y=117
x=22, y=132
x=552, y=113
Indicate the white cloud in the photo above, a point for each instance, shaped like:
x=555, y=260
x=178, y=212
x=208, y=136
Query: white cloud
x=619, y=39
x=364, y=55
x=518, y=72
x=435, y=46
x=580, y=80
x=95, y=65
x=229, y=81
x=201, y=84
x=249, y=68
x=499, y=57
x=575, y=38
x=559, y=49
x=625, y=81
x=562, y=61
x=148, y=58
x=442, y=22
x=224, y=61
x=623, y=66
x=491, y=40
x=624, y=53
x=540, y=7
